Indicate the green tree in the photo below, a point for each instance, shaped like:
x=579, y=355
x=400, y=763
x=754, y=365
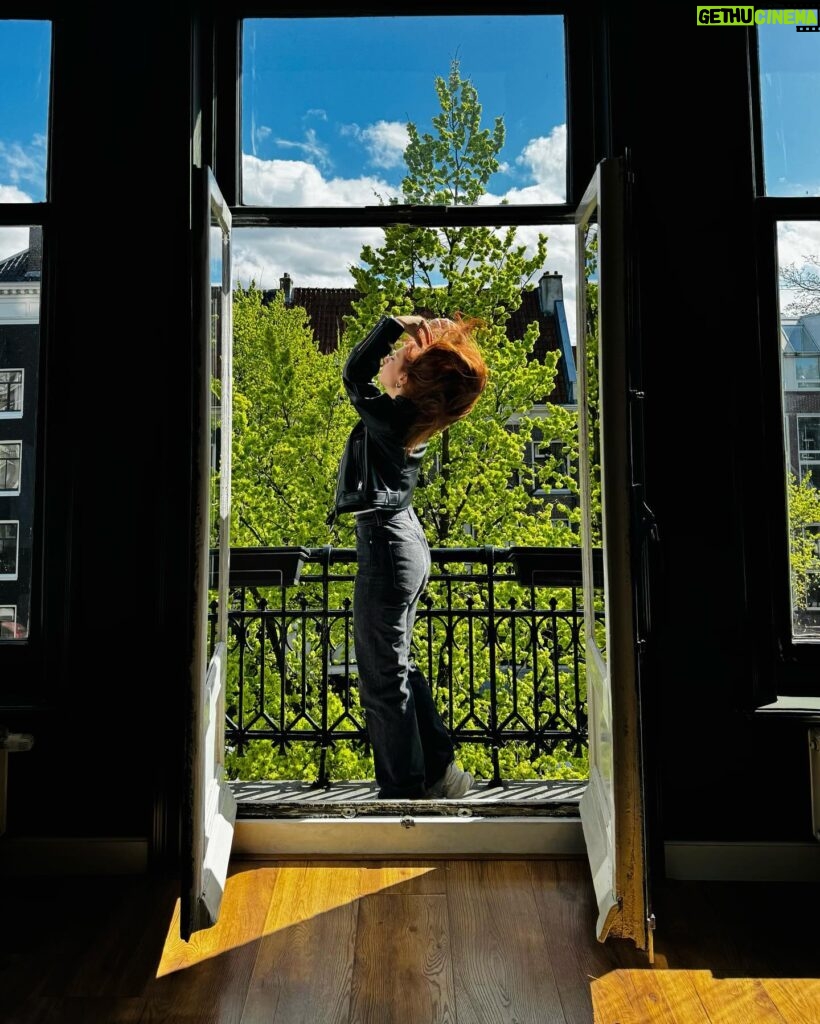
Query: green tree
x=291, y=419
x=803, y=280
x=804, y=527
x=478, y=271
x=476, y=489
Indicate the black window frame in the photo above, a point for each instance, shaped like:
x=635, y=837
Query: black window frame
x=25, y=682
x=588, y=133
x=588, y=91
x=789, y=667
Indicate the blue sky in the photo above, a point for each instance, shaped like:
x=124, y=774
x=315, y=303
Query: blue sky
x=337, y=92
x=325, y=105
x=25, y=58
x=325, y=102
x=790, y=101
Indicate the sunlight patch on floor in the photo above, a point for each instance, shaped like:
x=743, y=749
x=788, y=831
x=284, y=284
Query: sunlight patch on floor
x=690, y=997
x=259, y=901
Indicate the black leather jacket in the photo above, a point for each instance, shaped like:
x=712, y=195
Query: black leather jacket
x=375, y=471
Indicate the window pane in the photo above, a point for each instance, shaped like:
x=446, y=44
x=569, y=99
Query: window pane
x=790, y=108
x=20, y=262
x=291, y=419
x=314, y=263
x=326, y=104
x=25, y=79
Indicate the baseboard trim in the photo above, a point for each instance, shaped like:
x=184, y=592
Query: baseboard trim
x=73, y=856
x=743, y=862
x=393, y=836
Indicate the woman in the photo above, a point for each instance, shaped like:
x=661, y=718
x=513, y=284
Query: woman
x=432, y=378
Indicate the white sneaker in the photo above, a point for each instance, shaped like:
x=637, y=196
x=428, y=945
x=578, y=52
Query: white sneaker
x=454, y=783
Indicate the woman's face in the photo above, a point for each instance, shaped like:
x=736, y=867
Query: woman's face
x=393, y=372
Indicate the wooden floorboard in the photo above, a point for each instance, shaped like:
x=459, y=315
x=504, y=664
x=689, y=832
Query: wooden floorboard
x=403, y=970
x=566, y=906
x=467, y=941
x=500, y=957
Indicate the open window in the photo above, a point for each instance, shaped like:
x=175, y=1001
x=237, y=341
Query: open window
x=614, y=519
x=278, y=207
x=210, y=809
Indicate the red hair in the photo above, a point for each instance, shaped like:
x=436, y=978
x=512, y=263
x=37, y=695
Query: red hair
x=445, y=379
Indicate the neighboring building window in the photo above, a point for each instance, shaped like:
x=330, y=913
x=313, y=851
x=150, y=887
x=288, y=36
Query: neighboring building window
x=808, y=434
x=550, y=463
x=807, y=600
x=10, y=455
x=8, y=622
x=9, y=534
x=812, y=470
x=559, y=516
x=813, y=592
x=11, y=393
x=807, y=371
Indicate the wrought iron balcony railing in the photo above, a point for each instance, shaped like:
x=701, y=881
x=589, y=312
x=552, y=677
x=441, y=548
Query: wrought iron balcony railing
x=499, y=635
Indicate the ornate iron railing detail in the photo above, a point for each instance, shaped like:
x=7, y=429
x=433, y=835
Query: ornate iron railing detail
x=499, y=634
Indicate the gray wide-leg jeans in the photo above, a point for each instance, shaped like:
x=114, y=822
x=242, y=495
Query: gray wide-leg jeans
x=411, y=745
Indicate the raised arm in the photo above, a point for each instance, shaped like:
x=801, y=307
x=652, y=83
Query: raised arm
x=378, y=411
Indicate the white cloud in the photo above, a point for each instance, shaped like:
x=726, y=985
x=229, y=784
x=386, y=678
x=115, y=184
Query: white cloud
x=298, y=183
x=546, y=159
x=320, y=257
x=314, y=257
x=796, y=240
x=13, y=194
x=560, y=257
x=12, y=240
x=21, y=164
x=385, y=141
x=311, y=147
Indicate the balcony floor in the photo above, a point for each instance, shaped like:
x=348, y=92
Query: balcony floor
x=355, y=799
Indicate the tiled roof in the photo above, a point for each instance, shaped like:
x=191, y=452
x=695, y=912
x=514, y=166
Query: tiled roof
x=327, y=307
x=14, y=268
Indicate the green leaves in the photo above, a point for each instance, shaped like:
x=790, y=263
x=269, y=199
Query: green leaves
x=478, y=494
x=804, y=530
x=292, y=418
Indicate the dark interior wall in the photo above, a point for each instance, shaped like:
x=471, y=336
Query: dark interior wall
x=118, y=447
x=108, y=674
x=720, y=773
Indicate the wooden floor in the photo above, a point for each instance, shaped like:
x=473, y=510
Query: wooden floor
x=366, y=942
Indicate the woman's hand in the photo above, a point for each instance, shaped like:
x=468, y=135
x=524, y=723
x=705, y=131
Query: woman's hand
x=417, y=327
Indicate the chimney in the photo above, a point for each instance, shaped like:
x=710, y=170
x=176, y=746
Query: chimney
x=286, y=286
x=35, y=253
x=550, y=290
